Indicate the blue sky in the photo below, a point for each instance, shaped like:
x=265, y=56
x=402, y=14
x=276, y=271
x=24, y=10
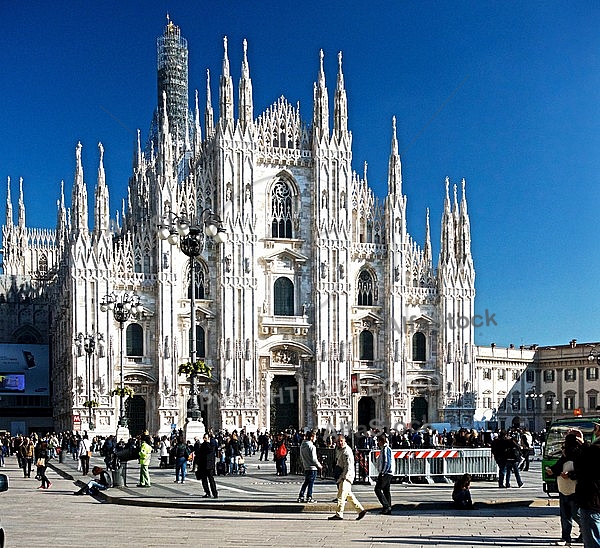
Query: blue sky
x=504, y=94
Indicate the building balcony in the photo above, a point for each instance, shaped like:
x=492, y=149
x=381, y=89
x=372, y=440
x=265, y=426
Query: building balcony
x=271, y=324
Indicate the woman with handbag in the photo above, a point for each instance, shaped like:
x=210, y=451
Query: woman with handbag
x=84, y=453
x=42, y=455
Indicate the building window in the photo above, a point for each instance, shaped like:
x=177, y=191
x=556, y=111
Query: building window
x=134, y=340
x=501, y=374
x=516, y=374
x=43, y=265
x=419, y=353
x=570, y=374
x=502, y=405
x=487, y=373
x=283, y=291
x=569, y=403
x=199, y=275
x=591, y=373
x=364, y=289
x=200, y=342
x=281, y=210
x=529, y=375
x=365, y=346
x=516, y=403
x=550, y=402
x=592, y=402
x=549, y=375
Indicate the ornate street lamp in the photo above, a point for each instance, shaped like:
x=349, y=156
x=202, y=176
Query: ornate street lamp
x=534, y=397
x=190, y=235
x=123, y=307
x=594, y=355
x=88, y=343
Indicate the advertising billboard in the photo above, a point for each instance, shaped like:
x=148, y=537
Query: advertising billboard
x=24, y=369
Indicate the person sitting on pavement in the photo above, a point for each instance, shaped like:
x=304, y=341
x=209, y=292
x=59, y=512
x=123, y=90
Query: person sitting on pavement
x=461, y=494
x=101, y=482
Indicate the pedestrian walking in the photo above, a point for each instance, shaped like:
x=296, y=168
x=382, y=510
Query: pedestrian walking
x=181, y=454
x=26, y=452
x=84, y=452
x=144, y=460
x=205, y=458
x=587, y=491
x=513, y=458
x=564, y=471
x=384, y=478
x=310, y=463
x=345, y=464
x=498, y=448
x=41, y=461
x=163, y=449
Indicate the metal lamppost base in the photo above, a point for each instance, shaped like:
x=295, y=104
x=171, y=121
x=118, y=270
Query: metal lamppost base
x=194, y=428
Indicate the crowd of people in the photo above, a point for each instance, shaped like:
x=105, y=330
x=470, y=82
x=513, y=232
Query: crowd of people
x=223, y=452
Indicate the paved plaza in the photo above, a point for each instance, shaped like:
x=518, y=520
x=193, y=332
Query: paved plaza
x=260, y=509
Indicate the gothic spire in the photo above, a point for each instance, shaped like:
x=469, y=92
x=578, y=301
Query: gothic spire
x=226, y=90
x=101, y=215
x=394, y=166
x=79, y=199
x=340, y=105
x=21, y=221
x=320, y=104
x=197, y=128
x=209, y=120
x=428, y=257
x=448, y=229
x=9, y=209
x=246, y=108
x=464, y=227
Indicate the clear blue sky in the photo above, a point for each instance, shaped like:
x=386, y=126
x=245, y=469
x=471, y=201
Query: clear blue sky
x=504, y=94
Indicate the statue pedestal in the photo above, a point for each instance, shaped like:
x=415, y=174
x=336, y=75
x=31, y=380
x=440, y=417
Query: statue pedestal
x=122, y=433
x=193, y=428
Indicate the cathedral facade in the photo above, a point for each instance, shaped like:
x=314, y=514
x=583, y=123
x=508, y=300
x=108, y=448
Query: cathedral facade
x=320, y=310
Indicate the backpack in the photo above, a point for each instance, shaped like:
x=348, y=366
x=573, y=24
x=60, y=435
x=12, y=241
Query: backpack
x=513, y=452
x=281, y=451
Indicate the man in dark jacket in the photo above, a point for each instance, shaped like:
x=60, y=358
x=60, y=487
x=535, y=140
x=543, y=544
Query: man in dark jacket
x=205, y=457
x=587, y=491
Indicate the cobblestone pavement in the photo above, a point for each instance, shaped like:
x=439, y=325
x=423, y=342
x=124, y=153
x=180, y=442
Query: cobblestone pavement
x=32, y=517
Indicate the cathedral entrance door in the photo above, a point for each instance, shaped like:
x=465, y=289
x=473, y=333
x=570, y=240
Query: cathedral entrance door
x=135, y=410
x=419, y=411
x=284, y=403
x=366, y=414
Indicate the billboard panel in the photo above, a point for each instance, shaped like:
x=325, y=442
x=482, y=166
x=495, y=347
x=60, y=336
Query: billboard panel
x=24, y=369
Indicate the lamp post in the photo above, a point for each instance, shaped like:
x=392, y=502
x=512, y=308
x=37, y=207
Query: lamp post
x=534, y=397
x=190, y=235
x=123, y=307
x=88, y=342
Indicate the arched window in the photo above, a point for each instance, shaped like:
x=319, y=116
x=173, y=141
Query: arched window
x=364, y=289
x=200, y=342
x=283, y=293
x=134, y=340
x=365, y=344
x=281, y=210
x=199, y=275
x=43, y=265
x=419, y=354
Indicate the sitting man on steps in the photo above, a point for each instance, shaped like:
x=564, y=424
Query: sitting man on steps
x=101, y=482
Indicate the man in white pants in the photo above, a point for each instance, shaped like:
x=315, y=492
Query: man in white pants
x=345, y=462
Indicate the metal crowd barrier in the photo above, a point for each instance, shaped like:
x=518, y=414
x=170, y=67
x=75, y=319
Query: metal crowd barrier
x=410, y=465
x=431, y=465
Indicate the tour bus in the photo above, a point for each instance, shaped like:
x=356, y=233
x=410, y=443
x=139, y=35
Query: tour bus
x=554, y=442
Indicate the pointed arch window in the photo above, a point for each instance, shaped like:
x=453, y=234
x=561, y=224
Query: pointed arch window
x=43, y=264
x=419, y=347
x=364, y=289
x=134, y=340
x=281, y=210
x=365, y=346
x=200, y=342
x=200, y=282
x=283, y=293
